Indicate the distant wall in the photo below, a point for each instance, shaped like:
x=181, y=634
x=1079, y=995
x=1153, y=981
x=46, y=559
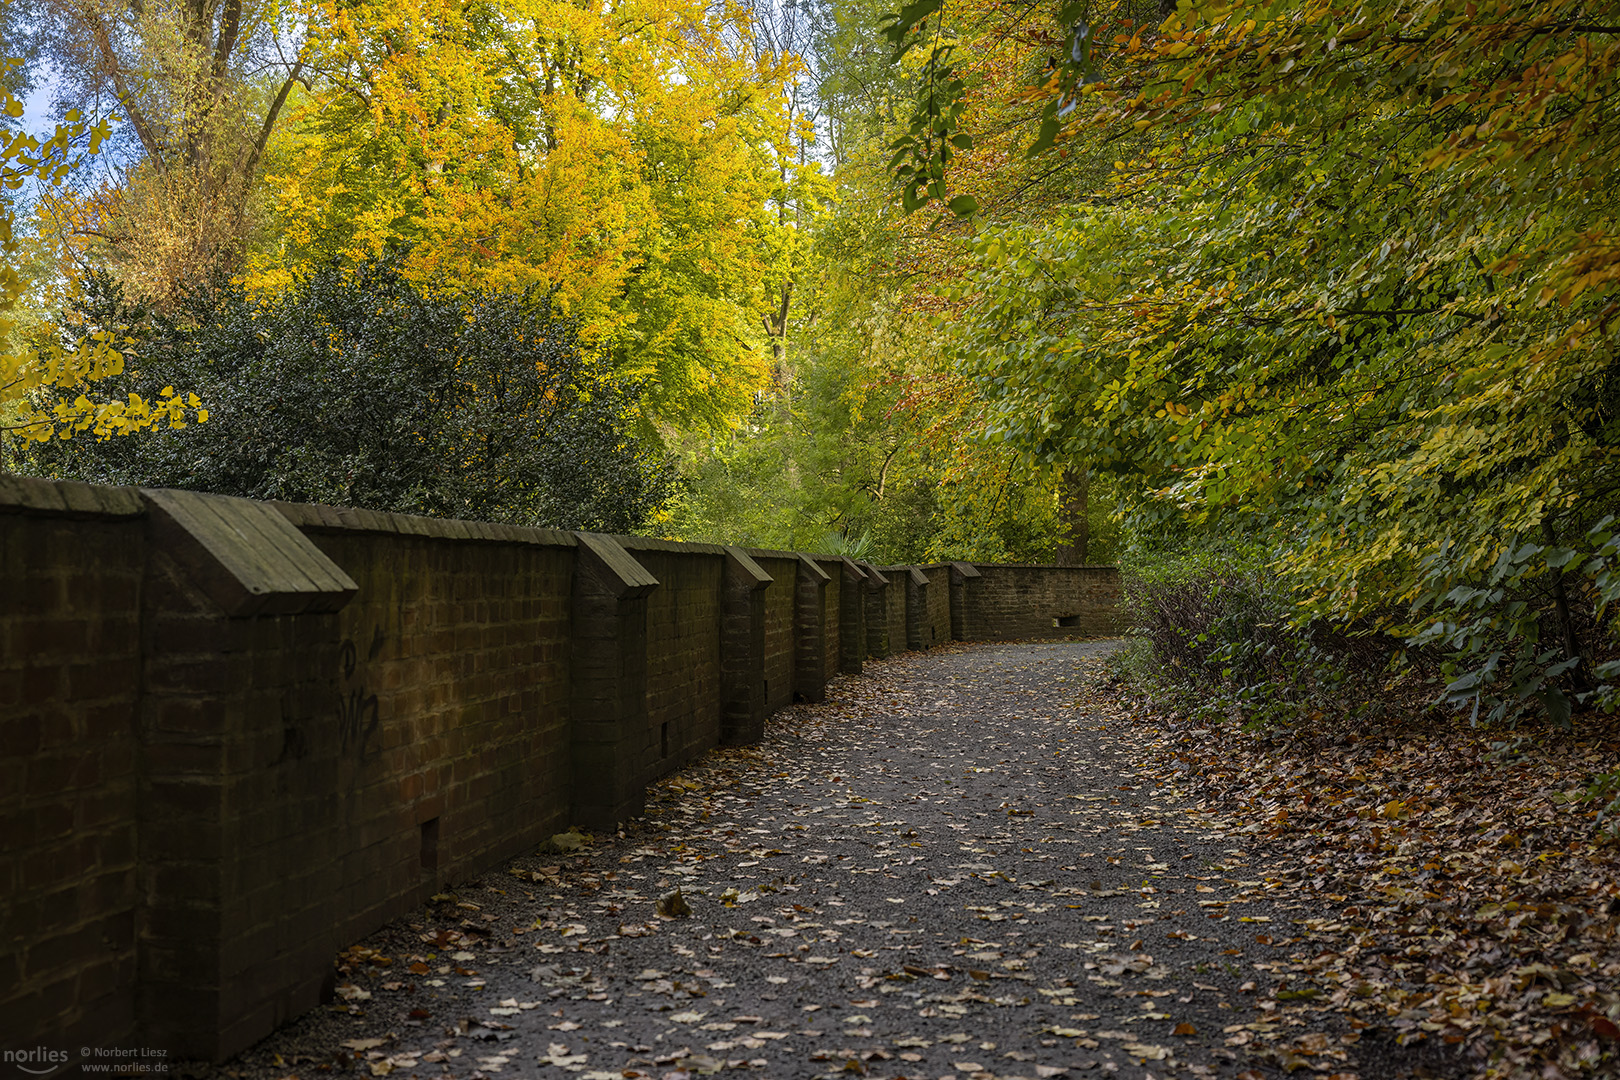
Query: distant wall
x=1014, y=602
x=237, y=736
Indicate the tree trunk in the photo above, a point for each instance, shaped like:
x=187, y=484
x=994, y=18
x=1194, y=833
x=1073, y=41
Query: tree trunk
x=1578, y=679
x=1077, y=528
x=775, y=323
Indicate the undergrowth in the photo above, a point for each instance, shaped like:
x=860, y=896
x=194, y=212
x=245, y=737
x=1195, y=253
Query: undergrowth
x=1213, y=637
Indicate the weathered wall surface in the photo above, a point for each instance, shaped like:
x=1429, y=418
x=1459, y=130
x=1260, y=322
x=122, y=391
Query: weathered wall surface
x=937, y=617
x=236, y=736
x=894, y=605
x=830, y=629
x=683, y=653
x=779, y=605
x=1045, y=601
x=433, y=742
x=70, y=648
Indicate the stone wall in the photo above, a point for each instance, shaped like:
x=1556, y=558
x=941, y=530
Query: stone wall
x=70, y=651
x=237, y=736
x=1013, y=602
x=780, y=595
x=937, y=616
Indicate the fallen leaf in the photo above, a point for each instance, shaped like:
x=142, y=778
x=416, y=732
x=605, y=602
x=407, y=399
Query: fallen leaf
x=673, y=905
x=1147, y=1051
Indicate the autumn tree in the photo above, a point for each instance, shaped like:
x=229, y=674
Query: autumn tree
x=874, y=436
x=47, y=379
x=783, y=34
x=197, y=90
x=619, y=157
x=1358, y=284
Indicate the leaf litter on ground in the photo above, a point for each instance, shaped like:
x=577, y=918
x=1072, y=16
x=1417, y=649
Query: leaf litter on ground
x=948, y=862
x=1474, y=892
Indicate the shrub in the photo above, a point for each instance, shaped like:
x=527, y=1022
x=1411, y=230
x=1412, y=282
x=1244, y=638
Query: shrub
x=1214, y=636
x=359, y=388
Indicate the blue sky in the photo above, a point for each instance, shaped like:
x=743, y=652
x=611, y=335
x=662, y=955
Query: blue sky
x=36, y=118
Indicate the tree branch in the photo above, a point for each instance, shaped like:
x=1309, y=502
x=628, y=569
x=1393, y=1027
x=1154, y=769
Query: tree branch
x=269, y=124
x=143, y=130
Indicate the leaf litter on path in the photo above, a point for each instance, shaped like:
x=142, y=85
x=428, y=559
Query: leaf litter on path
x=947, y=862
x=1472, y=900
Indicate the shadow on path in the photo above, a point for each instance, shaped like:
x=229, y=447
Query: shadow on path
x=945, y=870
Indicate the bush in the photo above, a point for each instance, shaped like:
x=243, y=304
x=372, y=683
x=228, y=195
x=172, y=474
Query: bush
x=1213, y=636
x=361, y=389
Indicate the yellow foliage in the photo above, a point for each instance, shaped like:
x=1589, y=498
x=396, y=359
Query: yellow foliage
x=620, y=156
x=28, y=371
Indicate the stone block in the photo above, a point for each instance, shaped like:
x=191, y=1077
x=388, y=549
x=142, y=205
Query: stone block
x=810, y=630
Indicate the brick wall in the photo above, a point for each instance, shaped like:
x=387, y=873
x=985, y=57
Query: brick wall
x=894, y=604
x=779, y=600
x=1045, y=601
x=216, y=785
x=437, y=742
x=237, y=736
x=683, y=653
x=72, y=565
x=876, y=615
x=938, y=615
x=831, y=624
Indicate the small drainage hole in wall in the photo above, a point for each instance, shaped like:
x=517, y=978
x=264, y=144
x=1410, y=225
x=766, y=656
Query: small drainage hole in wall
x=663, y=739
x=1066, y=620
x=430, y=844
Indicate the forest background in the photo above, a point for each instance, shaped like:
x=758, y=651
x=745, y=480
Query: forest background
x=1302, y=312
x=692, y=195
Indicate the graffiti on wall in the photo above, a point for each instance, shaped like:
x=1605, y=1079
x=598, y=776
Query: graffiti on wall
x=358, y=714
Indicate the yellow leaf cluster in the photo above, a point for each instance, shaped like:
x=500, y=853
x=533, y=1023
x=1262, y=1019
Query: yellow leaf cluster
x=619, y=156
x=30, y=372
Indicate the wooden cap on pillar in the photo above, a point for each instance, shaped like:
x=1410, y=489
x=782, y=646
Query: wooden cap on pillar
x=246, y=556
x=615, y=569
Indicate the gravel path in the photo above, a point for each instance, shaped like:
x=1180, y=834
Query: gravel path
x=945, y=870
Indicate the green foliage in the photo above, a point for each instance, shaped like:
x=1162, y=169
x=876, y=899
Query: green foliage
x=922, y=154
x=853, y=547
x=866, y=435
x=1360, y=287
x=1213, y=634
x=47, y=374
x=825, y=457
x=1503, y=640
x=1605, y=788
x=360, y=389
x=812, y=475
